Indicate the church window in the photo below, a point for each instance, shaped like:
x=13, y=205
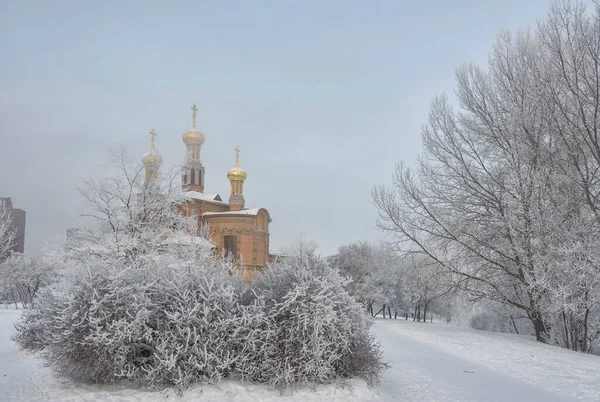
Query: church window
x=230, y=245
x=193, y=180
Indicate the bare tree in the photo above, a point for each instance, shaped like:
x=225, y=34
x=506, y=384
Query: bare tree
x=506, y=195
x=21, y=277
x=132, y=217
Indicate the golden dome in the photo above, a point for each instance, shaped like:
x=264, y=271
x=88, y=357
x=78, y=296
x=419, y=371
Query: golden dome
x=152, y=159
x=237, y=173
x=193, y=136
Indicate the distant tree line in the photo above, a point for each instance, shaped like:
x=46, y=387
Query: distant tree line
x=386, y=283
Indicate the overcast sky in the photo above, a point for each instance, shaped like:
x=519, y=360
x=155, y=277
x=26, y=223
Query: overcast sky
x=322, y=97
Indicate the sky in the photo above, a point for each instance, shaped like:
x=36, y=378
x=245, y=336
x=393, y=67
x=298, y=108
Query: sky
x=323, y=98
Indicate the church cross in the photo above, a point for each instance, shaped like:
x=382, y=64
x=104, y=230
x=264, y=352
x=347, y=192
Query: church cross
x=194, y=110
x=237, y=156
x=152, y=135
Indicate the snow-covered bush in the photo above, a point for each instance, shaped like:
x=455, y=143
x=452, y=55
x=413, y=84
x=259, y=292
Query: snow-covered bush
x=178, y=323
x=314, y=330
x=172, y=326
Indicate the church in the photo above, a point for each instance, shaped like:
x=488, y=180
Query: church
x=242, y=232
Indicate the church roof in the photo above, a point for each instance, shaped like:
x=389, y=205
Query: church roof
x=251, y=212
x=195, y=195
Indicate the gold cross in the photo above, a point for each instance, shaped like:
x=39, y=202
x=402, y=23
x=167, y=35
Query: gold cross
x=237, y=156
x=194, y=110
x=152, y=135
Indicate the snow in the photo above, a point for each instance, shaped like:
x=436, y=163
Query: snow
x=24, y=378
x=196, y=195
x=253, y=212
x=446, y=363
x=427, y=362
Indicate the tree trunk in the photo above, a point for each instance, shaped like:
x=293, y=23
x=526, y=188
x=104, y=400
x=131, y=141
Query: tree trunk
x=538, y=326
x=512, y=320
x=12, y=293
x=584, y=341
x=566, y=330
x=383, y=311
x=389, y=312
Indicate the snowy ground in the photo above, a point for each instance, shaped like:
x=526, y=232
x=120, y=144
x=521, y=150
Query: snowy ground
x=429, y=362
x=439, y=362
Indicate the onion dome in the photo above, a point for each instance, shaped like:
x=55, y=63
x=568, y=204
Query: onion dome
x=236, y=172
x=193, y=135
x=152, y=158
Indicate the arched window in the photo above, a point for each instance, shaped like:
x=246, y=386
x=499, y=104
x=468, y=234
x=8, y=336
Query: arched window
x=230, y=245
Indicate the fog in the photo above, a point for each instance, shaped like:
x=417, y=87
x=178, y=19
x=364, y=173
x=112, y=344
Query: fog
x=322, y=99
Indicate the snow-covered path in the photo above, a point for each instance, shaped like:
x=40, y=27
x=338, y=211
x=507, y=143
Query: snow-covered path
x=444, y=363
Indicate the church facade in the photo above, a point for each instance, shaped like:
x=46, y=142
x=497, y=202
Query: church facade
x=241, y=232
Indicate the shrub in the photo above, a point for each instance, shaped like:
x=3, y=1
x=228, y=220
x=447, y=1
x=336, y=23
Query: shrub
x=316, y=331
x=183, y=323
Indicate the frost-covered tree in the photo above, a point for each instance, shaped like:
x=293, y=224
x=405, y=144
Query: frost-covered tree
x=130, y=219
x=8, y=232
x=373, y=270
x=423, y=285
x=21, y=277
x=507, y=193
